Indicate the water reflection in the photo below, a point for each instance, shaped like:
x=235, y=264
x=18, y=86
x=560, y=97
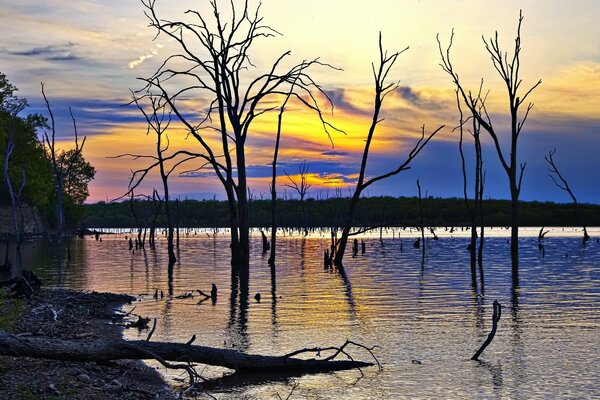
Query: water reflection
x=425, y=309
x=237, y=326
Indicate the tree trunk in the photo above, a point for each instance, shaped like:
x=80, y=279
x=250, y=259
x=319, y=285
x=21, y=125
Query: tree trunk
x=514, y=229
x=340, y=247
x=243, y=215
x=60, y=218
x=103, y=350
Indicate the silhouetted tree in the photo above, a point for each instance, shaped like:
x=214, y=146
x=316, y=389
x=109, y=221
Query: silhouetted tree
x=382, y=89
x=213, y=61
x=508, y=67
x=273, y=188
x=475, y=210
x=562, y=184
x=158, y=120
x=301, y=187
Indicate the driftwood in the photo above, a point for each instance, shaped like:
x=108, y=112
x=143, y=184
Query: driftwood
x=103, y=350
x=495, y=319
x=27, y=284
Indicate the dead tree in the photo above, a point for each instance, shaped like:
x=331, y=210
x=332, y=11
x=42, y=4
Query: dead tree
x=158, y=118
x=61, y=163
x=382, y=89
x=213, y=63
x=421, y=222
x=508, y=67
x=157, y=203
x=301, y=188
x=119, y=349
x=562, y=184
x=273, y=186
x=475, y=210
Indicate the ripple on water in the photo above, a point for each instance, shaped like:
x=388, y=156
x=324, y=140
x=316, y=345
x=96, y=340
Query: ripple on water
x=415, y=309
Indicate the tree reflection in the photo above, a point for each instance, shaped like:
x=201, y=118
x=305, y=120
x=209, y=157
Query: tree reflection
x=237, y=325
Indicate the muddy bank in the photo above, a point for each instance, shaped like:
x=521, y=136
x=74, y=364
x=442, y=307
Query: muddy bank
x=73, y=315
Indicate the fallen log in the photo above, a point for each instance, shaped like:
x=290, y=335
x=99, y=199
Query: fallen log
x=103, y=350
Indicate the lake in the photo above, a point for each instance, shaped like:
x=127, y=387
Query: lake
x=426, y=317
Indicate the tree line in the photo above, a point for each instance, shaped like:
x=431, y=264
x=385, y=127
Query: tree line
x=330, y=213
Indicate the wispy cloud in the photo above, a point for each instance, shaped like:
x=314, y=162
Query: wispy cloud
x=62, y=52
x=151, y=53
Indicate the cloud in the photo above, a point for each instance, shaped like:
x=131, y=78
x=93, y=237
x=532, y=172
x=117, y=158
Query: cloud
x=152, y=52
x=418, y=98
x=51, y=52
x=335, y=153
x=344, y=100
x=197, y=174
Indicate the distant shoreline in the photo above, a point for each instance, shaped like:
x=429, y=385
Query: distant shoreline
x=321, y=213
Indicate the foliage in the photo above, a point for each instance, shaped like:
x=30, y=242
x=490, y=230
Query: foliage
x=29, y=153
x=78, y=178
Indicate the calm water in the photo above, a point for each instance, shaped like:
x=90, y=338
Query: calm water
x=546, y=345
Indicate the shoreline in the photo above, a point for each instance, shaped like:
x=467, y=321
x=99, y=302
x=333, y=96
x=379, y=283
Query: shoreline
x=66, y=314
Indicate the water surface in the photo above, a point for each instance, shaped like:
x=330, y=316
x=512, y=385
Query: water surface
x=425, y=315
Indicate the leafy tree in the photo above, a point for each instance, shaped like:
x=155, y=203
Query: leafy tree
x=27, y=152
x=78, y=178
x=27, y=164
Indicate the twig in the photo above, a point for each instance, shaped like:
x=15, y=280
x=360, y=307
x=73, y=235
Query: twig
x=151, y=330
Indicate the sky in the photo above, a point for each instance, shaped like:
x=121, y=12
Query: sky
x=89, y=55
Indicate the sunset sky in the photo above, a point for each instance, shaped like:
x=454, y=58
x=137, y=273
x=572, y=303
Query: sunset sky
x=89, y=54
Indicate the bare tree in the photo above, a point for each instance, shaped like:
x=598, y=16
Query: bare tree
x=212, y=63
x=273, y=186
x=475, y=210
x=382, y=89
x=158, y=120
x=61, y=162
x=301, y=187
x=562, y=184
x=508, y=67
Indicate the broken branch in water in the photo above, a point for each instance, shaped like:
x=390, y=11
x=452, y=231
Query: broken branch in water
x=495, y=319
x=338, y=351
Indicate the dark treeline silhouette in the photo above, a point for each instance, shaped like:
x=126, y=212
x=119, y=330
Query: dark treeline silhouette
x=402, y=211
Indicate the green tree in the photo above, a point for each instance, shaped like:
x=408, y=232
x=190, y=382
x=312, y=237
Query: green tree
x=28, y=151
x=28, y=165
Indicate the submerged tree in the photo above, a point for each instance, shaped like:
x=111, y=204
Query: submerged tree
x=382, y=89
x=158, y=120
x=301, y=187
x=213, y=64
x=508, y=67
x=562, y=184
x=474, y=208
x=273, y=187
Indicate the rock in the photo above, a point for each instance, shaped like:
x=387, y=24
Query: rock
x=84, y=378
x=114, y=386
